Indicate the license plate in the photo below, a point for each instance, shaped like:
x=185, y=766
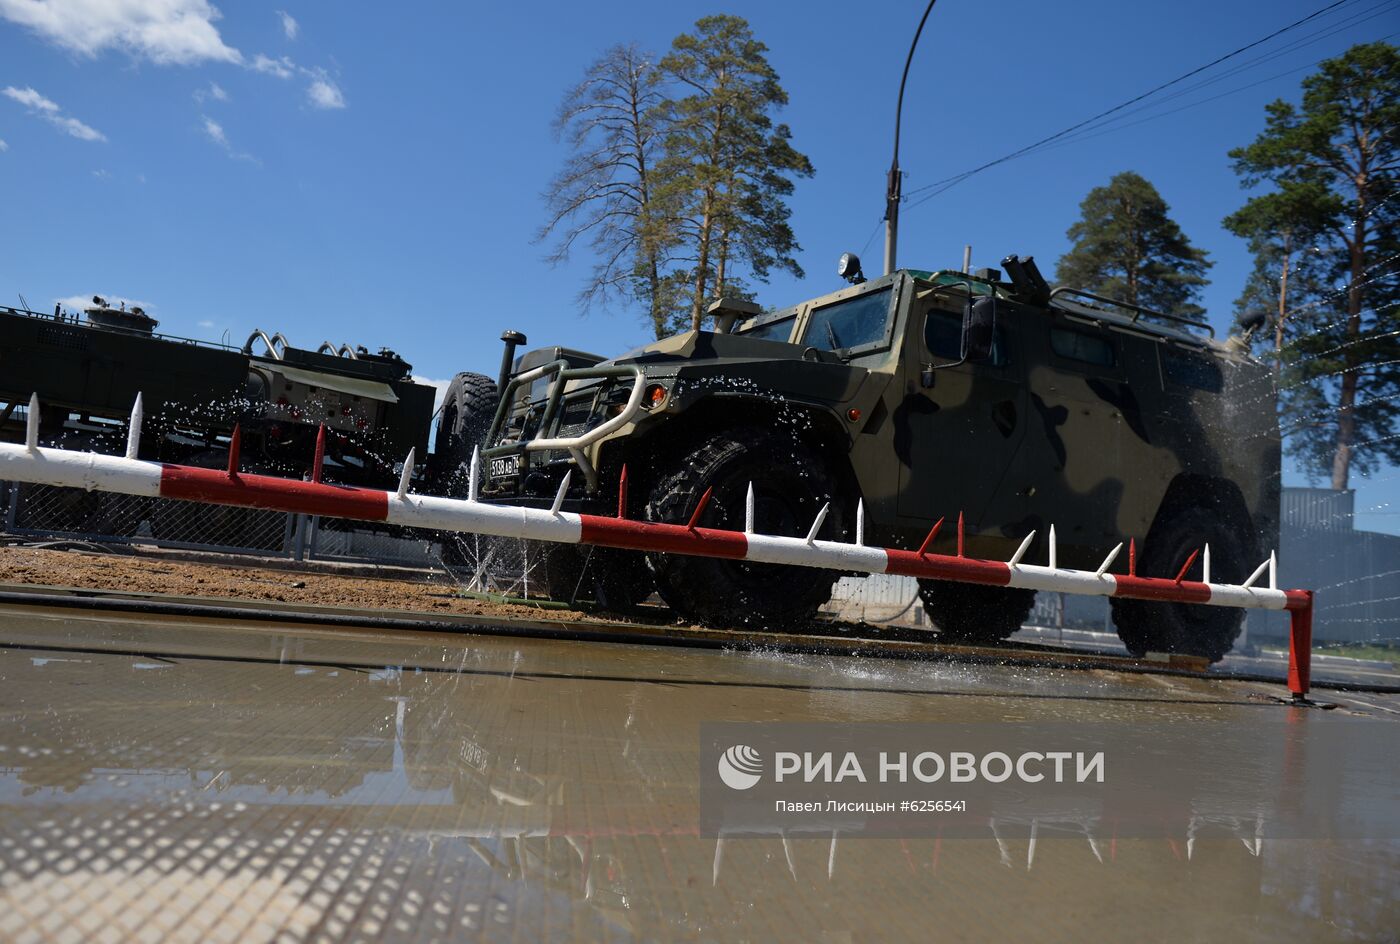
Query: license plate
x=505, y=465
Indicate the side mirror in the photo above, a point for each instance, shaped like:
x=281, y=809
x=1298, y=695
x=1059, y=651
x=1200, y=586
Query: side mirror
x=979, y=325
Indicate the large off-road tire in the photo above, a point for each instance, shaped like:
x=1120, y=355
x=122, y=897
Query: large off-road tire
x=468, y=407
x=974, y=615
x=613, y=579
x=791, y=482
x=1189, y=628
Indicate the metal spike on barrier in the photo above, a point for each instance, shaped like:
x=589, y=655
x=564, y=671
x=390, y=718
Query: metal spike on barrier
x=1132, y=557
x=694, y=521
x=133, y=430
x=408, y=464
x=319, y=459
x=1205, y=564
x=860, y=522
x=559, y=495
x=1181, y=574
x=960, y=534
x=1021, y=551
x=1108, y=561
x=1273, y=570
x=1258, y=572
x=1054, y=550
x=235, y=446
x=748, y=510
x=932, y=533
x=31, y=424
x=817, y=525
x=473, y=473
x=622, y=492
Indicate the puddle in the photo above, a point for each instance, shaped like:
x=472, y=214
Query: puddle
x=412, y=785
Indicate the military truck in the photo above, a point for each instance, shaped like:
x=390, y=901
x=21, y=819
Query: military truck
x=922, y=394
x=87, y=370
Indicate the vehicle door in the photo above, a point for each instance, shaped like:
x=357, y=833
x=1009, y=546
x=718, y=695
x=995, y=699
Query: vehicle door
x=958, y=429
x=1075, y=457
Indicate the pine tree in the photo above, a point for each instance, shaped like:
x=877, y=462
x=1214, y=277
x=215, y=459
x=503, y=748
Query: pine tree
x=1334, y=164
x=727, y=168
x=1127, y=247
x=613, y=122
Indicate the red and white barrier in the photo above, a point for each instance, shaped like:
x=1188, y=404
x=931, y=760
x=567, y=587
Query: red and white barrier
x=131, y=476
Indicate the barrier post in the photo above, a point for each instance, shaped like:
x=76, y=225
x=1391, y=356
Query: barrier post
x=1300, y=647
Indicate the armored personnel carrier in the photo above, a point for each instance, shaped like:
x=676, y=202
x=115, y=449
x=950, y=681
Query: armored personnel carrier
x=922, y=394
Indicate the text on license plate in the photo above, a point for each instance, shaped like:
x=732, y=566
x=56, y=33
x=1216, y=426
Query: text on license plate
x=505, y=465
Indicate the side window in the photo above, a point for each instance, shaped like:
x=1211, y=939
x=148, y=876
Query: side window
x=1191, y=370
x=1083, y=346
x=779, y=330
x=943, y=338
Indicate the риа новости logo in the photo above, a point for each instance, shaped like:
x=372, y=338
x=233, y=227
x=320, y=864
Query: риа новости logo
x=740, y=767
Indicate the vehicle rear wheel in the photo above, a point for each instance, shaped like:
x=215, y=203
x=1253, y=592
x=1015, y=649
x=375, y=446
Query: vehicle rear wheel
x=791, y=482
x=468, y=407
x=971, y=614
x=1189, y=628
x=615, y=580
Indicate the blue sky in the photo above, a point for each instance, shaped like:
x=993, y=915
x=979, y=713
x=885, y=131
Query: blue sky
x=371, y=174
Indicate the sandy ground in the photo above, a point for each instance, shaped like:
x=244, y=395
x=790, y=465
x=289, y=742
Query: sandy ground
x=146, y=574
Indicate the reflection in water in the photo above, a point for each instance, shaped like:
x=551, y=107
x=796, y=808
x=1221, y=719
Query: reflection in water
x=313, y=799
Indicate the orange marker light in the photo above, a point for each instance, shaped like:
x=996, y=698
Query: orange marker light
x=655, y=396
x=853, y=414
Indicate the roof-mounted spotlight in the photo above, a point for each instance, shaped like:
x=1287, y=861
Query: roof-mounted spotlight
x=849, y=268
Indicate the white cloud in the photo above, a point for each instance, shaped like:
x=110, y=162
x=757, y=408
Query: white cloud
x=31, y=99
x=166, y=32
x=283, y=68
x=215, y=132
x=3, y=146
x=215, y=92
x=440, y=385
x=102, y=174
x=79, y=130
x=289, y=25
x=323, y=93
x=48, y=109
x=204, y=324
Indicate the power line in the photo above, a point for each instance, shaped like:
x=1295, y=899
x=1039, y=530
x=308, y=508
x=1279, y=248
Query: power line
x=958, y=178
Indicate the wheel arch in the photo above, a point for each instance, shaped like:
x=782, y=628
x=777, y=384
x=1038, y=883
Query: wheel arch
x=1216, y=493
x=822, y=431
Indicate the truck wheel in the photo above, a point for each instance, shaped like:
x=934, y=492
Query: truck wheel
x=468, y=407
x=615, y=580
x=972, y=614
x=1189, y=628
x=791, y=483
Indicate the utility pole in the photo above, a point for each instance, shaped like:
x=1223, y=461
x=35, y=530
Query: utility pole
x=892, y=183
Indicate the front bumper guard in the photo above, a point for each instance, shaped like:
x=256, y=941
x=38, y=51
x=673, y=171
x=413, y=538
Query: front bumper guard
x=546, y=438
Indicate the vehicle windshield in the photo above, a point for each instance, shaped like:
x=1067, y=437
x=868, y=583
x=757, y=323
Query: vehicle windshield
x=850, y=323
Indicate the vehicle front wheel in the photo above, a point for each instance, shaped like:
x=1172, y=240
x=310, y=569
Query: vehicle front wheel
x=791, y=482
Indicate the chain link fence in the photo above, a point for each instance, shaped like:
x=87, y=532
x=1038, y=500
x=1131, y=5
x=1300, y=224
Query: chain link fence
x=45, y=511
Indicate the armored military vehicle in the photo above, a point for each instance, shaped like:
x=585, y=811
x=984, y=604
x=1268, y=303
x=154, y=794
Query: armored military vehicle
x=87, y=370
x=923, y=394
